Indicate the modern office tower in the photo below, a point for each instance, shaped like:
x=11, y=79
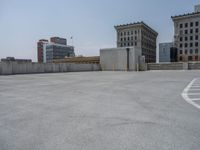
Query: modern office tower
x=58, y=40
x=40, y=44
x=187, y=35
x=139, y=35
x=57, y=48
x=164, y=52
x=56, y=51
x=197, y=8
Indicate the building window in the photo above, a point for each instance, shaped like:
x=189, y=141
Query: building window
x=135, y=43
x=128, y=33
x=191, y=37
x=180, y=58
x=131, y=43
x=191, y=51
x=124, y=39
x=135, y=37
x=181, y=52
x=197, y=30
x=121, y=34
x=191, y=24
x=121, y=44
x=196, y=51
x=186, y=38
x=132, y=32
x=181, y=39
x=135, y=32
x=190, y=58
x=121, y=39
x=191, y=31
x=196, y=37
x=196, y=58
x=186, y=52
x=186, y=31
x=196, y=44
x=128, y=44
x=197, y=23
x=186, y=45
x=191, y=44
x=132, y=38
x=181, y=25
x=186, y=25
x=124, y=33
x=128, y=38
x=181, y=45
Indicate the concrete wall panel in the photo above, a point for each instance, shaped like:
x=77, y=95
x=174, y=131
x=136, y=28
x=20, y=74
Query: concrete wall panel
x=9, y=68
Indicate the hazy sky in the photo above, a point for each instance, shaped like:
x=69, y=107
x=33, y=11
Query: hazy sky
x=90, y=22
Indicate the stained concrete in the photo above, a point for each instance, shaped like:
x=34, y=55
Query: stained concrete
x=98, y=111
x=11, y=68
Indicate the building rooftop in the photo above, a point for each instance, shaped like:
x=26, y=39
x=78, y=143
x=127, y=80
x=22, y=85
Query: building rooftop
x=135, y=24
x=185, y=15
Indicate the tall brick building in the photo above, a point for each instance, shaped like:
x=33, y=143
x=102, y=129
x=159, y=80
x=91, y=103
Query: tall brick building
x=139, y=35
x=40, y=46
x=187, y=35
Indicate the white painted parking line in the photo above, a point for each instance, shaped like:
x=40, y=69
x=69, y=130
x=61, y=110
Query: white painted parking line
x=196, y=86
x=193, y=93
x=195, y=99
x=194, y=89
x=185, y=93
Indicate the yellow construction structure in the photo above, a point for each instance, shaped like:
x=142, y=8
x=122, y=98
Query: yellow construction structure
x=79, y=60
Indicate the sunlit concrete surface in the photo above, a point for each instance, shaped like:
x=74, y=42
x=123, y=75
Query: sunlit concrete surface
x=98, y=111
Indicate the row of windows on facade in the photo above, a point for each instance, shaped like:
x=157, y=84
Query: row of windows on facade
x=128, y=39
x=128, y=44
x=148, y=35
x=190, y=58
x=149, y=45
x=186, y=51
x=186, y=25
x=147, y=51
x=196, y=44
x=191, y=38
x=128, y=33
x=191, y=31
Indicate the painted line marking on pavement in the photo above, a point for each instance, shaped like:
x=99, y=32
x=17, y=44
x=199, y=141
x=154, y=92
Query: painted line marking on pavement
x=194, y=89
x=185, y=94
x=195, y=99
x=193, y=93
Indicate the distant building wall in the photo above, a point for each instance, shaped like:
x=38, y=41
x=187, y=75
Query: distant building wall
x=139, y=35
x=187, y=36
x=56, y=51
x=58, y=40
x=197, y=8
x=40, y=46
x=164, y=52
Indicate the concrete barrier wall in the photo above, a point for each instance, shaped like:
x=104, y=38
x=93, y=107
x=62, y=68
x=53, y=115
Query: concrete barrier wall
x=194, y=65
x=167, y=66
x=10, y=68
x=115, y=59
x=174, y=66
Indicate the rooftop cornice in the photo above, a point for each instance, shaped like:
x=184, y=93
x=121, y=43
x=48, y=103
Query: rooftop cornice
x=135, y=24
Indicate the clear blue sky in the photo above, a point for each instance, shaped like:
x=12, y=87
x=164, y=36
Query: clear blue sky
x=90, y=22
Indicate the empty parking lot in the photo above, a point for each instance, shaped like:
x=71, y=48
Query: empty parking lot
x=98, y=111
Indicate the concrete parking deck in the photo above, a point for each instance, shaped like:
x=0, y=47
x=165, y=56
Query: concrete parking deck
x=98, y=111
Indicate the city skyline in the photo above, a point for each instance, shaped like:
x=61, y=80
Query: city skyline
x=91, y=23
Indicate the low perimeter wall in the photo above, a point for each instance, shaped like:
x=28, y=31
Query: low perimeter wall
x=10, y=68
x=174, y=66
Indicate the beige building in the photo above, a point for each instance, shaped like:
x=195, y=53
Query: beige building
x=139, y=35
x=187, y=35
